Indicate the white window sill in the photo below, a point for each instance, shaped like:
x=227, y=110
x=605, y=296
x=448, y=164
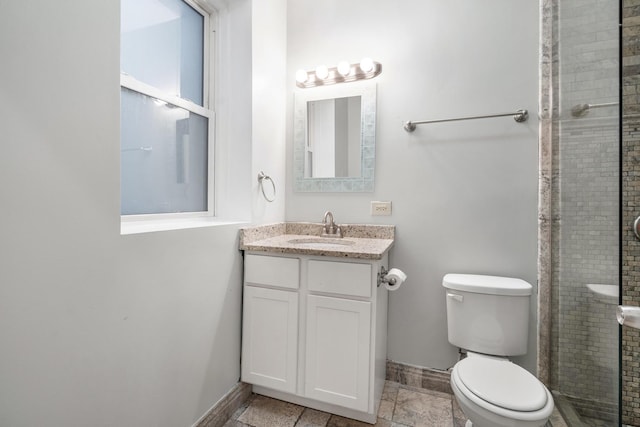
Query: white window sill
x=150, y=226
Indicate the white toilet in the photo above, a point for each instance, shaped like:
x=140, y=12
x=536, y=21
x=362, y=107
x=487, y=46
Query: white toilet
x=489, y=317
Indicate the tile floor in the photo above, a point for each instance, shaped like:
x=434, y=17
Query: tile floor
x=401, y=406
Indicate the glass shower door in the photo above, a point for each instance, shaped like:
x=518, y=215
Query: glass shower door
x=586, y=209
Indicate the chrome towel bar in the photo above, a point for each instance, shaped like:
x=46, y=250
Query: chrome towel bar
x=519, y=116
x=580, y=110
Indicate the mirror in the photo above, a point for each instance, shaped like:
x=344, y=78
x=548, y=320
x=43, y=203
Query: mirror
x=334, y=138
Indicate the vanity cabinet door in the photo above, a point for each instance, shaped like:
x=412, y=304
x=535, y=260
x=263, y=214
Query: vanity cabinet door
x=337, y=351
x=270, y=338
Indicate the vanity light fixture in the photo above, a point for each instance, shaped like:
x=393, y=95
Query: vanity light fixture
x=322, y=72
x=344, y=68
x=301, y=76
x=366, y=65
x=342, y=73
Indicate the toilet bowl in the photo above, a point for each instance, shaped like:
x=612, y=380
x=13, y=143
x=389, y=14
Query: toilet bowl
x=494, y=392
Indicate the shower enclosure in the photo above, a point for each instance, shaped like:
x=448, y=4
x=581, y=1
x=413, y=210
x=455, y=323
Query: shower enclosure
x=585, y=208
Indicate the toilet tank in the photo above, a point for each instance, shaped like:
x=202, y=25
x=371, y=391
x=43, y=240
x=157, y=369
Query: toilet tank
x=488, y=314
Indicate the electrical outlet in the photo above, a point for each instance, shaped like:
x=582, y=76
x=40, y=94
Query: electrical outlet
x=380, y=208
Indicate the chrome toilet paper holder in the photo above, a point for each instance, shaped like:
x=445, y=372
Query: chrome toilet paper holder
x=382, y=279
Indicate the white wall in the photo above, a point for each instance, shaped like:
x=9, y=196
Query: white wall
x=97, y=328
x=103, y=329
x=464, y=194
x=269, y=58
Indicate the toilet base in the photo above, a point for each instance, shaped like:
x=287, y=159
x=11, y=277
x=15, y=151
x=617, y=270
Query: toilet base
x=468, y=424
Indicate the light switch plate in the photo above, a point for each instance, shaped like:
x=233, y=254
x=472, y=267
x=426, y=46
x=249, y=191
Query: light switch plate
x=380, y=208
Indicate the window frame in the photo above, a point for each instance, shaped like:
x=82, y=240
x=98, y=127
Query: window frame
x=205, y=110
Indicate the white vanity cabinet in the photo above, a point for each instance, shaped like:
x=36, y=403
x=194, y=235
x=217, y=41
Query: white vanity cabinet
x=270, y=322
x=314, y=331
x=338, y=349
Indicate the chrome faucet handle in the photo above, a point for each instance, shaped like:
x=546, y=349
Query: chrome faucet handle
x=330, y=229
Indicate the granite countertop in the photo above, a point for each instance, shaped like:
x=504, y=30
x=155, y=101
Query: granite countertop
x=358, y=241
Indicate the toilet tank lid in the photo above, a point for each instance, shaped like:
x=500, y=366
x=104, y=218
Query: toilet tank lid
x=492, y=285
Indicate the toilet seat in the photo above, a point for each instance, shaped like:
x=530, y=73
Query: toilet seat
x=502, y=383
x=497, y=414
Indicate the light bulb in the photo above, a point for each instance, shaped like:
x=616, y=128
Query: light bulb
x=322, y=72
x=366, y=65
x=301, y=76
x=344, y=68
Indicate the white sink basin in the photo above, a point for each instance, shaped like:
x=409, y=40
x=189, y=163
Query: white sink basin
x=315, y=242
x=607, y=294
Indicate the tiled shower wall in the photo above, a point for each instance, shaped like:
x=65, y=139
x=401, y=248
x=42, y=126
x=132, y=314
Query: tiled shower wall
x=630, y=206
x=585, y=176
x=585, y=242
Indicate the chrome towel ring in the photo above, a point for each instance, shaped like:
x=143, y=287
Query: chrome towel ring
x=262, y=177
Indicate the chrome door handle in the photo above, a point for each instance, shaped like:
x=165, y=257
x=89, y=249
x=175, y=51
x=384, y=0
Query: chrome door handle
x=628, y=316
x=636, y=227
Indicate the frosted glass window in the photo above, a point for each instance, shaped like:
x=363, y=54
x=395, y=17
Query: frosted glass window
x=165, y=141
x=162, y=45
x=163, y=159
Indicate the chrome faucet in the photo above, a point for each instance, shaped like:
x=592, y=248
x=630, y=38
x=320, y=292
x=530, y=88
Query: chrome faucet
x=330, y=229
